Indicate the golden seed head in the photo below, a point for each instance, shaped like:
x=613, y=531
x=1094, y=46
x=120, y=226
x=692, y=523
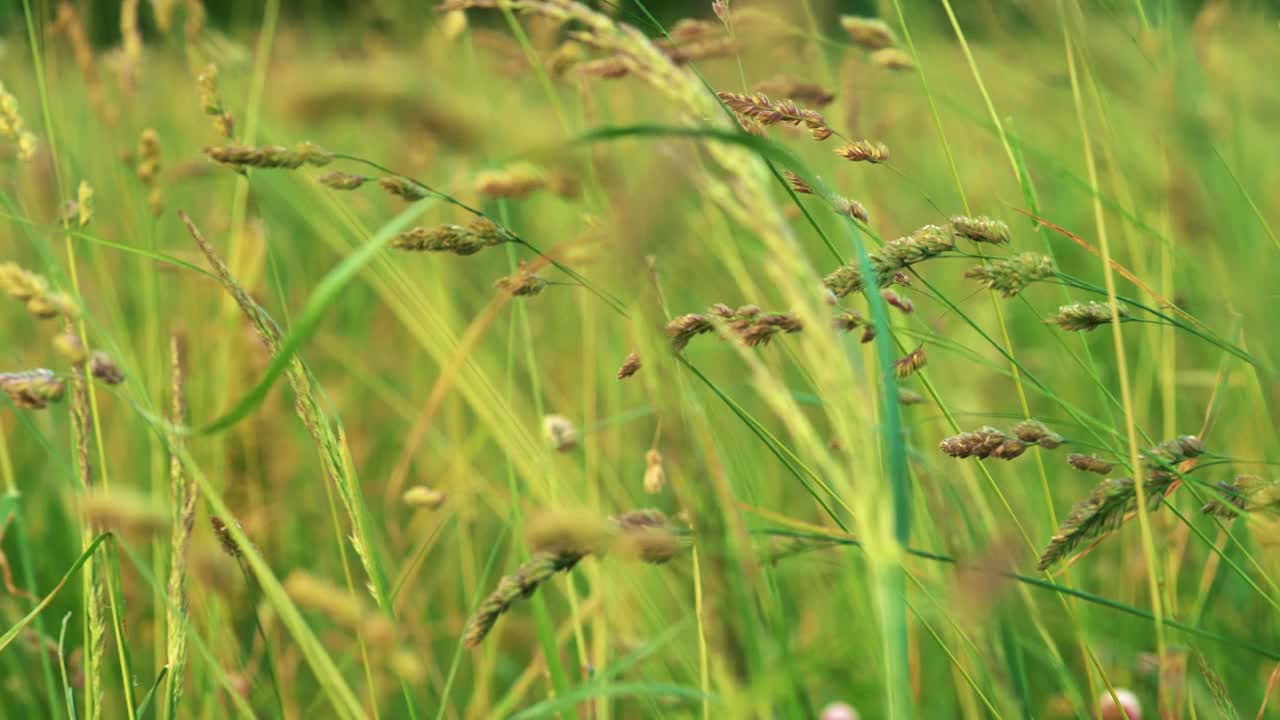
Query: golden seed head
x=914, y=361
x=70, y=348
x=423, y=497
x=892, y=59
x=654, y=545
x=868, y=33
x=655, y=477
x=629, y=366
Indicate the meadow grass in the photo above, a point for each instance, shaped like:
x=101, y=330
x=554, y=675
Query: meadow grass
x=743, y=360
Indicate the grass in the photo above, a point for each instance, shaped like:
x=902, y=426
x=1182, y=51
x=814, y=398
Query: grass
x=815, y=545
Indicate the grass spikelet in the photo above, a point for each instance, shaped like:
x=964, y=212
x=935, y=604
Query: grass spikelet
x=402, y=188
x=522, y=283
x=520, y=584
x=1009, y=277
x=12, y=127
x=148, y=169
x=790, y=87
x=868, y=33
x=211, y=102
x=70, y=347
x=33, y=389
x=630, y=366
x=797, y=183
x=225, y=538
x=422, y=496
x=513, y=182
x=852, y=208
x=1089, y=463
x=84, y=204
x=1034, y=432
x=896, y=300
x=981, y=229
x=1085, y=316
x=270, y=156
x=655, y=477
x=1172, y=452
x=183, y=498
x=910, y=364
x=477, y=235
x=684, y=328
x=338, y=180
x=560, y=432
x=33, y=290
x=766, y=112
x=850, y=320
x=864, y=151
x=982, y=443
x=69, y=23
x=893, y=59
x=1230, y=502
x=102, y=367
x=1103, y=511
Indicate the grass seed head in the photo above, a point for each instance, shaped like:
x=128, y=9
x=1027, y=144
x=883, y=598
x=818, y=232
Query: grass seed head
x=764, y=111
x=655, y=477
x=1089, y=463
x=1010, y=277
x=33, y=291
x=1034, y=432
x=910, y=364
x=630, y=366
x=560, y=432
x=515, y=181
x=654, y=545
x=684, y=328
x=70, y=348
x=342, y=181
x=864, y=151
x=423, y=497
x=102, y=367
x=521, y=284
x=892, y=59
x=982, y=443
x=270, y=156
x=33, y=389
x=868, y=33
x=981, y=229
x=1086, y=316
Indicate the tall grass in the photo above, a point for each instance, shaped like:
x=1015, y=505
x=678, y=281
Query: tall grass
x=853, y=457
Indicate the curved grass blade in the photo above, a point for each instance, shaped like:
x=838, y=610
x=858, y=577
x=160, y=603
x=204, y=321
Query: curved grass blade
x=12, y=632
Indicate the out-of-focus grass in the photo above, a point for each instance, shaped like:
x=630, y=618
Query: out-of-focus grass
x=815, y=567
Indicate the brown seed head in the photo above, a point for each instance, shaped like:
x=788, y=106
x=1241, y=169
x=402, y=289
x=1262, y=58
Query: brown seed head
x=629, y=366
x=1034, y=432
x=32, y=389
x=1089, y=463
x=864, y=151
x=342, y=181
x=910, y=364
x=102, y=367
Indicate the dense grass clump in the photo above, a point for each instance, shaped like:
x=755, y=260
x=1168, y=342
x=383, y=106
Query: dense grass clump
x=537, y=358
